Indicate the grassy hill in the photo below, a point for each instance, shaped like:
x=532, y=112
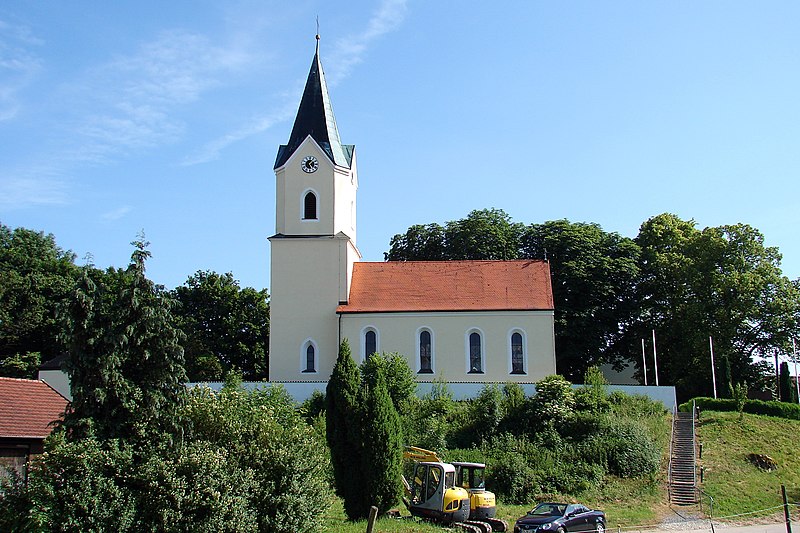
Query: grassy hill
x=737, y=485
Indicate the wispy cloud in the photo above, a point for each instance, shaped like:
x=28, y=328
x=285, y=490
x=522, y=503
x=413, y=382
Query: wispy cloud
x=211, y=150
x=116, y=214
x=345, y=55
x=350, y=51
x=18, y=65
x=33, y=188
x=136, y=99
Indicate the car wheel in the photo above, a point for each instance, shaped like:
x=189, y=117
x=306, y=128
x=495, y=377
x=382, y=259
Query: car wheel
x=561, y=530
x=600, y=527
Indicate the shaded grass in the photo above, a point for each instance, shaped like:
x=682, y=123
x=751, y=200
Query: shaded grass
x=737, y=485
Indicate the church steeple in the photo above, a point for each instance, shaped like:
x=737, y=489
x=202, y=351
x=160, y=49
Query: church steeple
x=315, y=118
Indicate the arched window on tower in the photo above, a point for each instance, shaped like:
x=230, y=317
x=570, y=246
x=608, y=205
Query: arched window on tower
x=310, y=206
x=310, y=359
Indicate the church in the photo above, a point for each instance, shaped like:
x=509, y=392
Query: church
x=465, y=322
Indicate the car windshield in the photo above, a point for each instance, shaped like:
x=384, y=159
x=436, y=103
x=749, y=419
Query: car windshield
x=549, y=509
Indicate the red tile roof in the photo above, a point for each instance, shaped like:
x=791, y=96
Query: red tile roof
x=27, y=407
x=397, y=286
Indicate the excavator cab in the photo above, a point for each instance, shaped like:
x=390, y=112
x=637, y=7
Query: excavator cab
x=470, y=476
x=434, y=494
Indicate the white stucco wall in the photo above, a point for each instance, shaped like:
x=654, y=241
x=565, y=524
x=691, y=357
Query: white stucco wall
x=399, y=332
x=308, y=278
x=335, y=189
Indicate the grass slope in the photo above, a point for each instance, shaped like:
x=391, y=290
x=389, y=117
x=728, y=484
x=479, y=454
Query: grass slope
x=736, y=485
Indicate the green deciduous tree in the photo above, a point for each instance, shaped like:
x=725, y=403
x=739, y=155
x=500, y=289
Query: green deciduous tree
x=594, y=276
x=36, y=276
x=483, y=234
x=418, y=243
x=226, y=327
x=126, y=365
x=721, y=282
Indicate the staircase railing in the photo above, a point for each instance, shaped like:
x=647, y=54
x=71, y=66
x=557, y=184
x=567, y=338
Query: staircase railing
x=671, y=443
x=694, y=445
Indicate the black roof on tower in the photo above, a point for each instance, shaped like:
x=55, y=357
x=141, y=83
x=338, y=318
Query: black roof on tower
x=315, y=118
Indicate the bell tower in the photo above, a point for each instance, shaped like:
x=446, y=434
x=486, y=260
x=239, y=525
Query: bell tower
x=314, y=246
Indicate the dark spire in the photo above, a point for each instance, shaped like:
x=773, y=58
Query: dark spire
x=315, y=118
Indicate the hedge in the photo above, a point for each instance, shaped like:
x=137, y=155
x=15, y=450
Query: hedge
x=756, y=407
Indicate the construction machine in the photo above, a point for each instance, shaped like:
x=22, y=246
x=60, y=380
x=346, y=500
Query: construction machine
x=482, y=505
x=438, y=493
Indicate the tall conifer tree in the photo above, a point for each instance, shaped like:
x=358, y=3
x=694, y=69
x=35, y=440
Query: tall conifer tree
x=383, y=446
x=342, y=420
x=126, y=362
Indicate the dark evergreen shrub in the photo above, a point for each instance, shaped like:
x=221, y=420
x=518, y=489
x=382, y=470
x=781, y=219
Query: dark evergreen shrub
x=382, y=448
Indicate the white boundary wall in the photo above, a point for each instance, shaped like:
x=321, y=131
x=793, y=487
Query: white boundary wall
x=300, y=391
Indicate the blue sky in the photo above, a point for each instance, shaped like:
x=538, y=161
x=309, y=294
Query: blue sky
x=166, y=117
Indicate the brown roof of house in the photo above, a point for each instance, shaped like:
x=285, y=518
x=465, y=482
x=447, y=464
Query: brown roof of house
x=397, y=286
x=27, y=407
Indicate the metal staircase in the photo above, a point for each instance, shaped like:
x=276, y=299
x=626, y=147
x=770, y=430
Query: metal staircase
x=682, y=467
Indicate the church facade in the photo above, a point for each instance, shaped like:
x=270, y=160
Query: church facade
x=461, y=321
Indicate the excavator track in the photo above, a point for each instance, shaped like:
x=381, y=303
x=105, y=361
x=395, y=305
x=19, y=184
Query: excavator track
x=497, y=524
x=466, y=526
x=483, y=527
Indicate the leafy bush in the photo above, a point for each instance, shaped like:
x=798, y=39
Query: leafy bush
x=267, y=439
x=630, y=450
x=509, y=472
x=201, y=490
x=593, y=396
x=313, y=406
x=554, y=400
x=84, y=485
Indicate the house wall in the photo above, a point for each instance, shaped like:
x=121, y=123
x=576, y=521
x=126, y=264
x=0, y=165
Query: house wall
x=399, y=332
x=59, y=380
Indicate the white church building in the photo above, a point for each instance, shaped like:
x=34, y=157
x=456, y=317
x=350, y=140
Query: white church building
x=467, y=322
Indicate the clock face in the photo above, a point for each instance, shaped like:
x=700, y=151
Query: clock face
x=309, y=164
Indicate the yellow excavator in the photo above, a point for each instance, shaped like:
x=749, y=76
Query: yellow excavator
x=450, y=493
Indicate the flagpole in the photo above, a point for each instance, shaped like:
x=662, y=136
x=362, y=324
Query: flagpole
x=644, y=365
x=796, y=375
x=655, y=357
x=713, y=371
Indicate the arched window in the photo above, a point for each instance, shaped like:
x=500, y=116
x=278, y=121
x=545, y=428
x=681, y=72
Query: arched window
x=517, y=354
x=310, y=206
x=425, y=354
x=370, y=343
x=475, y=353
x=310, y=359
